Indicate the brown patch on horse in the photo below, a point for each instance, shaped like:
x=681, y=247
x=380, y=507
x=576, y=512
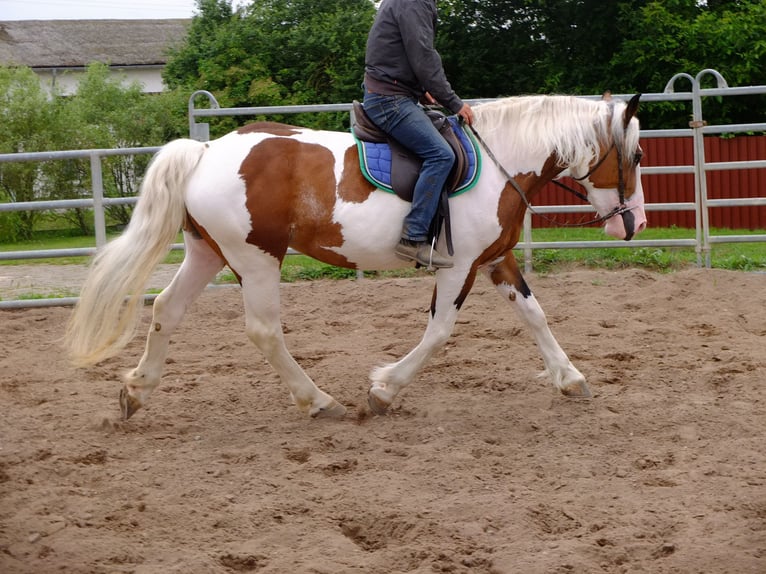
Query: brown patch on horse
x=353, y=187
x=467, y=286
x=273, y=128
x=508, y=272
x=607, y=175
x=290, y=195
x=510, y=214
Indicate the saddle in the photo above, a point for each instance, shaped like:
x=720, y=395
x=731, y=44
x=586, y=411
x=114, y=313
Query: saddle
x=390, y=166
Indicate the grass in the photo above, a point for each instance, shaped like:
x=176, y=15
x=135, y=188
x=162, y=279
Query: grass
x=50, y=295
x=735, y=256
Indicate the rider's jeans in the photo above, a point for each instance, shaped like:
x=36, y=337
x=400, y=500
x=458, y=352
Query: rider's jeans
x=403, y=119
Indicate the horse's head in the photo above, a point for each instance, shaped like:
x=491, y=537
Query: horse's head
x=613, y=177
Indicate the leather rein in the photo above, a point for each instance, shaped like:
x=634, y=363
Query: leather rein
x=618, y=210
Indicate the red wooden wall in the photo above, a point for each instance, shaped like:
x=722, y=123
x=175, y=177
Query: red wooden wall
x=671, y=188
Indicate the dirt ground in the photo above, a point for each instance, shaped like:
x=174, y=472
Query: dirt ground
x=480, y=467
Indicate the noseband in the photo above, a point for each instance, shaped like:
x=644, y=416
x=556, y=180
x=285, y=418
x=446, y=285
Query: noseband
x=618, y=210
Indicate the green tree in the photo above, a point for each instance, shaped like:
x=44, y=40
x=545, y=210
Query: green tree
x=101, y=114
x=675, y=36
x=275, y=52
x=26, y=114
x=487, y=48
x=495, y=47
x=105, y=114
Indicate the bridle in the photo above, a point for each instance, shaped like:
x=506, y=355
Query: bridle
x=618, y=210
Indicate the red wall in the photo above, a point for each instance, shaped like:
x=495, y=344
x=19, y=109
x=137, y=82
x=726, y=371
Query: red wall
x=671, y=188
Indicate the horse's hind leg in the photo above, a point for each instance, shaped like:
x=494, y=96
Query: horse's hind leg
x=509, y=282
x=199, y=267
x=260, y=289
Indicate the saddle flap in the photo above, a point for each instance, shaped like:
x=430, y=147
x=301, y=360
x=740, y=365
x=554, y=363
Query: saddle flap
x=459, y=168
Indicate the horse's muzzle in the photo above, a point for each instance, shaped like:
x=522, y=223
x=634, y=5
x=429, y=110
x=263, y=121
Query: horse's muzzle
x=631, y=222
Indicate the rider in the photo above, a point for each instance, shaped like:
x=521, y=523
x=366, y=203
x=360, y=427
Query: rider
x=402, y=67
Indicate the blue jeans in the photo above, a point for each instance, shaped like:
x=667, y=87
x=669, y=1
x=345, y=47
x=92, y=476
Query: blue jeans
x=404, y=120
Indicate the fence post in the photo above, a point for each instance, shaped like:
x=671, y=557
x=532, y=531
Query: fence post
x=701, y=217
x=200, y=131
x=97, y=187
x=700, y=173
x=528, y=264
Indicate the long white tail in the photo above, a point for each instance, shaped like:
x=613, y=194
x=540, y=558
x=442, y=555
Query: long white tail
x=106, y=316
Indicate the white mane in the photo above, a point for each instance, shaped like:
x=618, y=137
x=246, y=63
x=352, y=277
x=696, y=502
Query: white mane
x=573, y=128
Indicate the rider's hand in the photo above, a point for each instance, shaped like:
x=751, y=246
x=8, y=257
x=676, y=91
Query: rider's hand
x=466, y=113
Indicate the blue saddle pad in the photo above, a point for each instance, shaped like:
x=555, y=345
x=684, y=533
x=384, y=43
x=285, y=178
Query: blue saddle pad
x=375, y=160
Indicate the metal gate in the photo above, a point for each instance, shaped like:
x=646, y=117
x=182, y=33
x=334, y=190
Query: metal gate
x=700, y=206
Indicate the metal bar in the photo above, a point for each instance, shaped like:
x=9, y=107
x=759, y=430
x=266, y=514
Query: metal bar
x=727, y=91
x=97, y=187
x=74, y=154
x=666, y=169
x=36, y=303
x=634, y=243
x=681, y=206
x=271, y=110
x=702, y=241
x=47, y=253
x=729, y=165
x=733, y=128
x=677, y=133
x=700, y=181
x=737, y=202
x=63, y=204
x=527, y=241
x=738, y=239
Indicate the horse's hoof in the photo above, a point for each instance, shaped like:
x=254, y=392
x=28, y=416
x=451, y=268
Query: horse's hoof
x=128, y=404
x=377, y=405
x=578, y=390
x=334, y=410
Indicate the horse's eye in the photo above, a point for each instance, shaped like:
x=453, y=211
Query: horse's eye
x=637, y=157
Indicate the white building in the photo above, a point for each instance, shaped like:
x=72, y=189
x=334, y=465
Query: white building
x=58, y=51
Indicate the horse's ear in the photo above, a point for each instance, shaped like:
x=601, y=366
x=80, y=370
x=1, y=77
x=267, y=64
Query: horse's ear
x=607, y=96
x=631, y=110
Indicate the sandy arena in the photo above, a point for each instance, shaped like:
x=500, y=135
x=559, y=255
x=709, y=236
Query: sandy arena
x=480, y=467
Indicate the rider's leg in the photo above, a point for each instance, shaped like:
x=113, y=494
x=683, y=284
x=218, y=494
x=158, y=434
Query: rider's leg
x=403, y=119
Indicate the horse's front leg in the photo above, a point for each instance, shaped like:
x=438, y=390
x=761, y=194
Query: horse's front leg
x=388, y=380
x=509, y=282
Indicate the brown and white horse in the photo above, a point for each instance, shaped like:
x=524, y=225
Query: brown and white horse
x=247, y=197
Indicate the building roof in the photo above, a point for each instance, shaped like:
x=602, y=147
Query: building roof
x=77, y=43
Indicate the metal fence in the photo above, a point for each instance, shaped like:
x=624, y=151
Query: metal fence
x=697, y=129
x=702, y=243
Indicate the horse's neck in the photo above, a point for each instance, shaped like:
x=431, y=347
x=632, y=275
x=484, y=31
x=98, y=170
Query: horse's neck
x=511, y=151
x=523, y=133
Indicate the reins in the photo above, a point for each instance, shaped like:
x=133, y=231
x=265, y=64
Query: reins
x=618, y=210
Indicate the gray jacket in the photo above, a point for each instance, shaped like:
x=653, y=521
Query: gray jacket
x=401, y=57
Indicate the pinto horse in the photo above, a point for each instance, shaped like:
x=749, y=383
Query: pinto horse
x=245, y=198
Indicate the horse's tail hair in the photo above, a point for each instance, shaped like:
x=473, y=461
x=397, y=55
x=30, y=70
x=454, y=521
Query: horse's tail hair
x=106, y=316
